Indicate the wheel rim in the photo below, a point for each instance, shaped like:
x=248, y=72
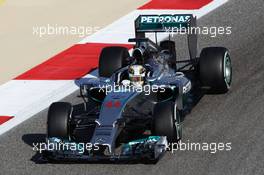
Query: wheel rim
x=227, y=70
x=177, y=122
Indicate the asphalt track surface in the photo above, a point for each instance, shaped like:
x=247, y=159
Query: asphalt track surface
x=236, y=117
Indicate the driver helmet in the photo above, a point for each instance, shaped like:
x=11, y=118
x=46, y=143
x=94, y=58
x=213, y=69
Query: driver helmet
x=137, y=74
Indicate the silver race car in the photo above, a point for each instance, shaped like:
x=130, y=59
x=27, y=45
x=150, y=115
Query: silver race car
x=134, y=109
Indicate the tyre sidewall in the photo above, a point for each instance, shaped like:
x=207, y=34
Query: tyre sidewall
x=163, y=121
x=212, y=69
x=59, y=115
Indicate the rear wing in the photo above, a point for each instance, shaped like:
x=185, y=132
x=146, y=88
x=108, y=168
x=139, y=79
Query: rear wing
x=168, y=23
x=164, y=23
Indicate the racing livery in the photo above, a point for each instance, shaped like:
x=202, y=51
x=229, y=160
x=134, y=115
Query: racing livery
x=136, y=105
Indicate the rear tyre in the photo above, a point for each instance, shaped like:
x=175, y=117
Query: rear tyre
x=170, y=46
x=58, y=120
x=167, y=121
x=215, y=69
x=112, y=59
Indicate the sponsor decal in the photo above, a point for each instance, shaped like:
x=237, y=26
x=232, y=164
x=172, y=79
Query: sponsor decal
x=165, y=19
x=100, y=140
x=160, y=22
x=111, y=104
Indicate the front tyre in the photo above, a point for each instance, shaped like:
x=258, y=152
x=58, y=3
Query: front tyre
x=215, y=69
x=59, y=115
x=167, y=121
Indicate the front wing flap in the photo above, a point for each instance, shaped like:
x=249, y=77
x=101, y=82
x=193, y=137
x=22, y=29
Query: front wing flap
x=151, y=148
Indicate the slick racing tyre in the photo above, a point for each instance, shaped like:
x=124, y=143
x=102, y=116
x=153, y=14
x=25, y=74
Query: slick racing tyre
x=167, y=121
x=112, y=59
x=170, y=46
x=58, y=120
x=215, y=69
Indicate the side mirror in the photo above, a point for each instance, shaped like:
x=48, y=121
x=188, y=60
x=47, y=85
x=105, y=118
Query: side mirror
x=97, y=94
x=163, y=94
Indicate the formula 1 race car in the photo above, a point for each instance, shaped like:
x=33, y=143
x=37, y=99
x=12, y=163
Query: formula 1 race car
x=136, y=105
